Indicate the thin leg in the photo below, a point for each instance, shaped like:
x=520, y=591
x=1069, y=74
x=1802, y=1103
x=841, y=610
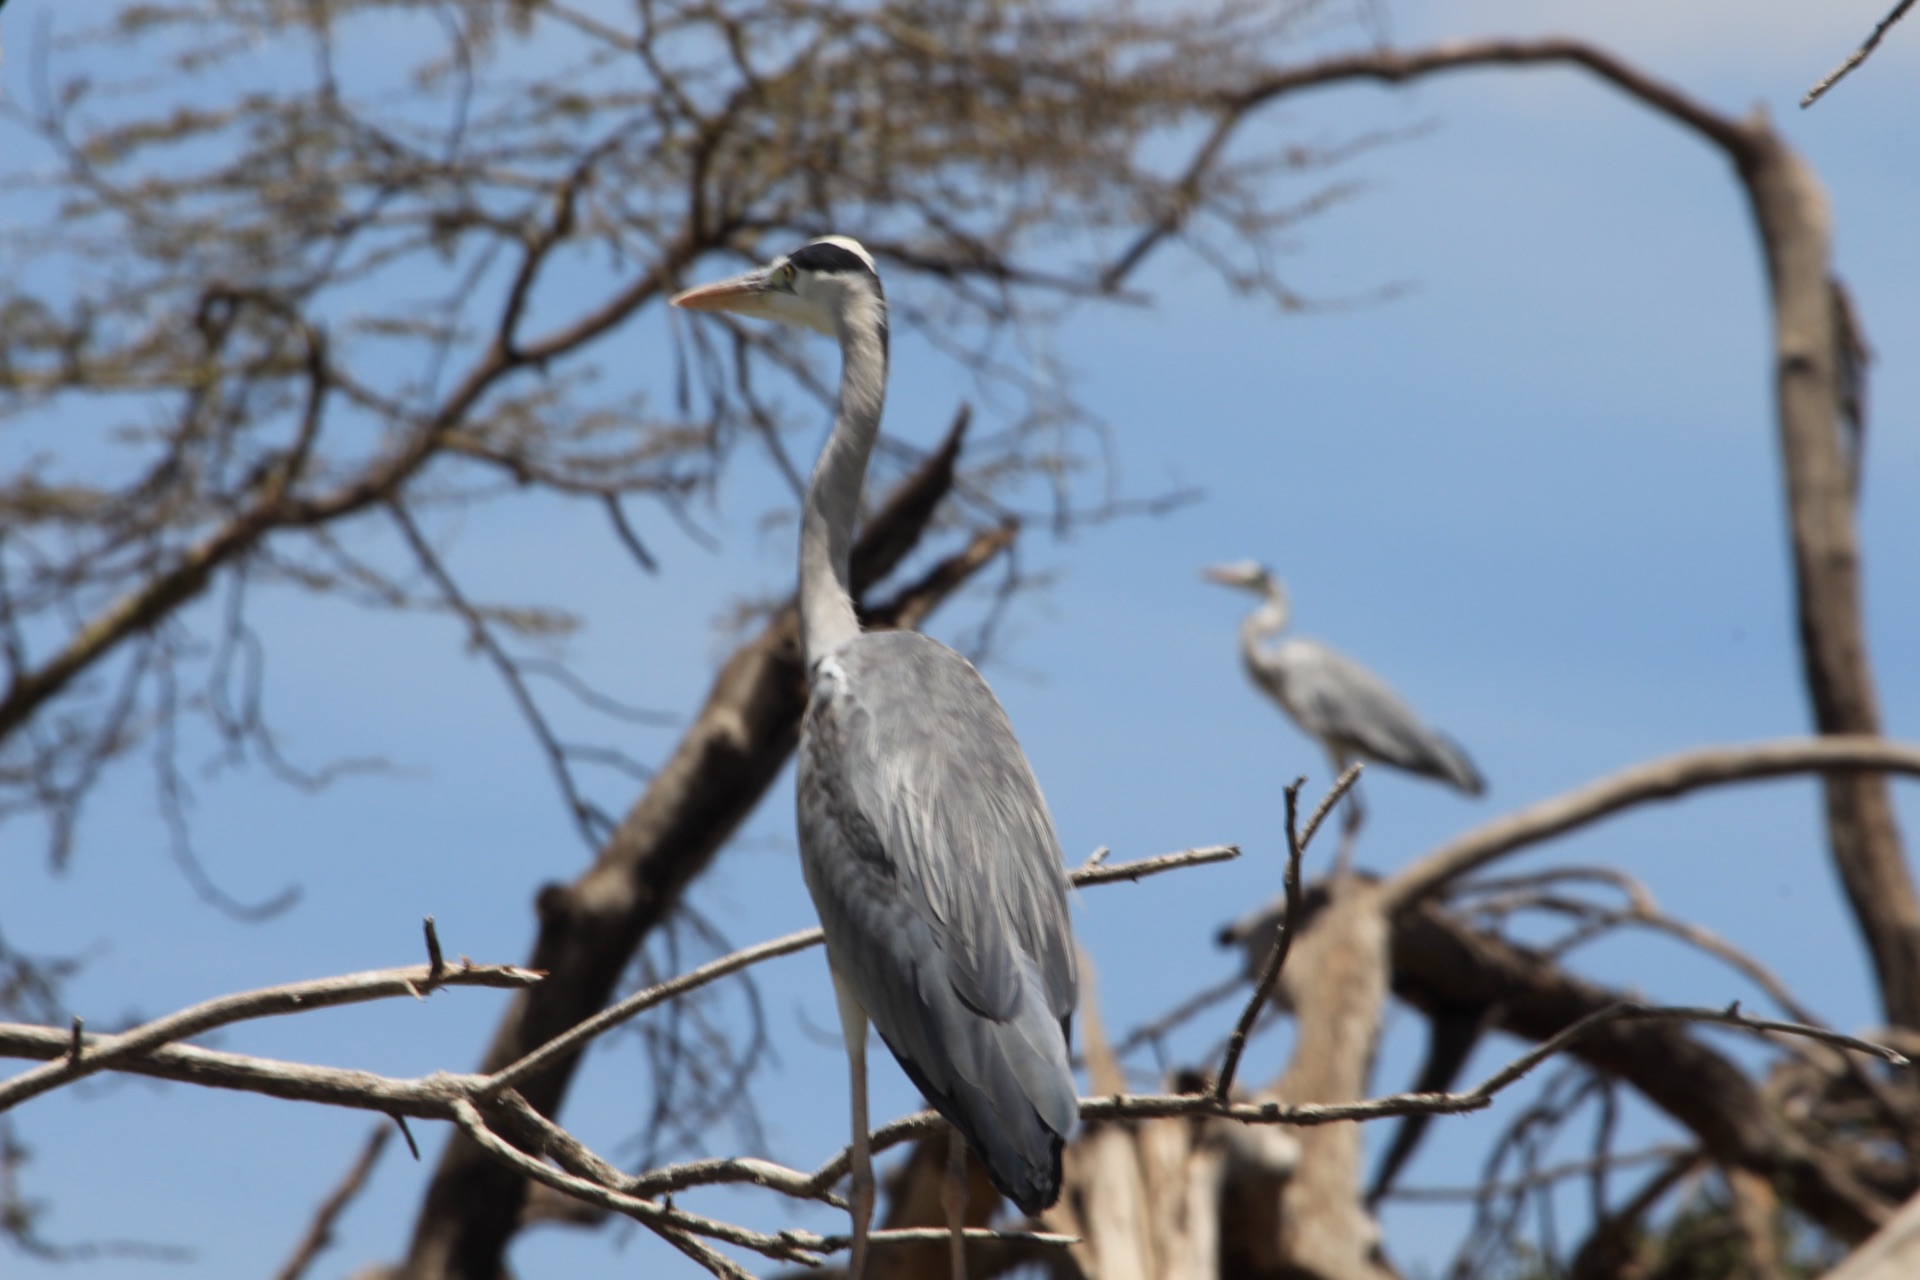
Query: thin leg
x=853, y=1025
x=1350, y=825
x=954, y=1196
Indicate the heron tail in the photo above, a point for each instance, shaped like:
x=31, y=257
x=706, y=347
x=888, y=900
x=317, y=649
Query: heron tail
x=1010, y=1093
x=1457, y=769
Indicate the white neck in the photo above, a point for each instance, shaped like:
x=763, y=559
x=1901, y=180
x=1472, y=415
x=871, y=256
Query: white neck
x=1264, y=623
x=827, y=620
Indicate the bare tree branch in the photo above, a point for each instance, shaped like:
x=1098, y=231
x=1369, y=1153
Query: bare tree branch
x=1440, y=964
x=1662, y=779
x=1290, y=925
x=1811, y=391
x=106, y=1053
x=1096, y=870
x=1859, y=55
x=1892, y=1253
x=319, y=1233
x=467, y=1100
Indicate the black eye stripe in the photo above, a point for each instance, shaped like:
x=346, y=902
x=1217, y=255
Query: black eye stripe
x=828, y=257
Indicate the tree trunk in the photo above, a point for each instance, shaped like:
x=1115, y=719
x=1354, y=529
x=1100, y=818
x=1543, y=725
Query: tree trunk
x=1809, y=325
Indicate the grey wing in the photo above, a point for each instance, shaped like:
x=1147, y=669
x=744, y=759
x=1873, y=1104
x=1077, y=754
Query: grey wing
x=1347, y=707
x=934, y=865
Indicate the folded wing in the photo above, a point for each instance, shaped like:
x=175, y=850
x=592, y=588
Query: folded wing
x=935, y=868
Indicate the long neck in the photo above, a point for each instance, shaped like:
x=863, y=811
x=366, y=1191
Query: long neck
x=827, y=619
x=1264, y=623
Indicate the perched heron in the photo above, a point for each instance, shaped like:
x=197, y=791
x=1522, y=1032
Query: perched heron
x=1337, y=702
x=924, y=838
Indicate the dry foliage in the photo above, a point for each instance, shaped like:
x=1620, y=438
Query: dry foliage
x=280, y=312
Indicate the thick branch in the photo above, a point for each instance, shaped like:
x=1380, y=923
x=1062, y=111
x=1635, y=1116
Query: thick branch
x=1440, y=963
x=1389, y=67
x=1663, y=779
x=1790, y=213
x=1892, y=1254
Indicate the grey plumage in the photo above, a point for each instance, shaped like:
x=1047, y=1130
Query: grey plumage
x=937, y=875
x=925, y=840
x=1339, y=703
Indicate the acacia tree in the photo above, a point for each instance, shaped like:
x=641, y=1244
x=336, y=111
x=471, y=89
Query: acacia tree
x=340, y=312
x=282, y=319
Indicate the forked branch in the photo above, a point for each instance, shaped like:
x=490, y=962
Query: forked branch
x=1297, y=841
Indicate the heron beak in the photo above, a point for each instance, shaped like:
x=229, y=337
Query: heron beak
x=743, y=294
x=1221, y=574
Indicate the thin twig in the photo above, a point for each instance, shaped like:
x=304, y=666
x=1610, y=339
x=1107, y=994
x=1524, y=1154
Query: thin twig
x=103, y=1052
x=940, y=1235
x=413, y=1148
x=1150, y=1106
x=1539, y=1177
x=738, y=1169
x=1341, y=785
x=1277, y=957
x=436, y=961
x=1859, y=56
x=319, y=1233
x=788, y=1246
x=1099, y=872
x=574, y=1038
x=1185, y=1011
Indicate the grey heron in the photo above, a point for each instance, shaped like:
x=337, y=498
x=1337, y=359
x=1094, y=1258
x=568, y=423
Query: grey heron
x=1337, y=702
x=924, y=838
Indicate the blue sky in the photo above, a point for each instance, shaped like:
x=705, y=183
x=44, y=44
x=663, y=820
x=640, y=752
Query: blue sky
x=1537, y=491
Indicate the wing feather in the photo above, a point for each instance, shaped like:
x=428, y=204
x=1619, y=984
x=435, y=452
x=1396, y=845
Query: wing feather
x=1335, y=699
x=934, y=865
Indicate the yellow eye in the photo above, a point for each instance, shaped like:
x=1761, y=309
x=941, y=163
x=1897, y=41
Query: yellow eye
x=784, y=276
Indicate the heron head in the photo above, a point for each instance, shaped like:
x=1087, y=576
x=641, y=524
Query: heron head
x=824, y=284
x=1248, y=575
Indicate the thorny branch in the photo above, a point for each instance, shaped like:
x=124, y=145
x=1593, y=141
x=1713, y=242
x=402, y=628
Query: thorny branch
x=477, y=1100
x=489, y=1111
x=152, y=1050
x=111, y=1053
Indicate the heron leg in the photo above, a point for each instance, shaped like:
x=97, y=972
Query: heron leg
x=1350, y=824
x=853, y=1025
x=953, y=1196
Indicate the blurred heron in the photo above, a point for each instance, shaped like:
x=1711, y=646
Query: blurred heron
x=924, y=838
x=1337, y=702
